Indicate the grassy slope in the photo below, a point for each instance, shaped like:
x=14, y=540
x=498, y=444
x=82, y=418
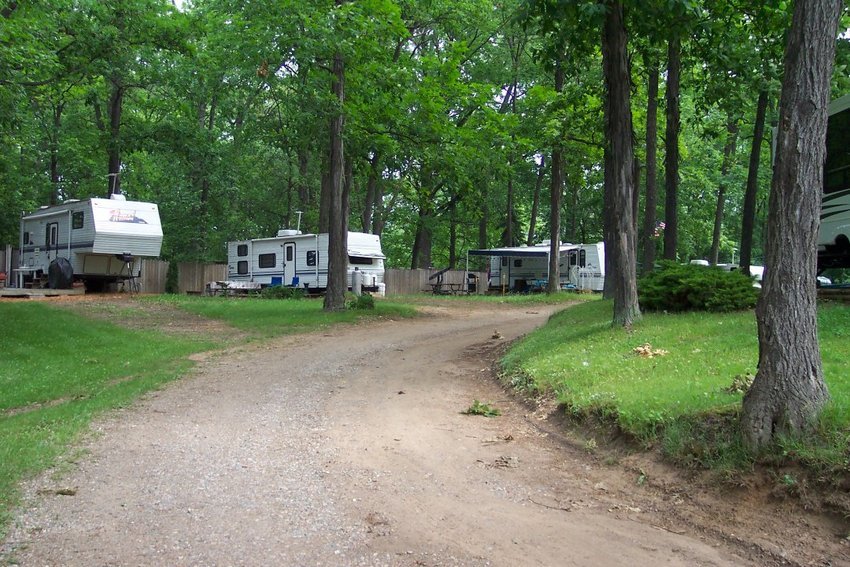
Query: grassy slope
x=593, y=369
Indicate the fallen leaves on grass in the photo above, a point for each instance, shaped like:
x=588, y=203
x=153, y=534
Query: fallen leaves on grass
x=646, y=351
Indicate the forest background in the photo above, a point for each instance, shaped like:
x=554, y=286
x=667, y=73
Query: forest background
x=219, y=111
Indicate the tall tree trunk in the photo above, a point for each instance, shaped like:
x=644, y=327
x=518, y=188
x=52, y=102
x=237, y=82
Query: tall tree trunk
x=337, y=232
x=303, y=185
x=535, y=202
x=325, y=200
x=381, y=211
x=453, y=236
x=575, y=229
x=54, y=154
x=650, y=214
x=728, y=152
x=371, y=193
x=557, y=187
x=788, y=391
x=671, y=154
x=116, y=104
x=483, y=241
x=421, y=255
x=619, y=169
x=749, y=214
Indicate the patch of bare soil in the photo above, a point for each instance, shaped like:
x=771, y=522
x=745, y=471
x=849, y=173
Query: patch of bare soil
x=131, y=312
x=349, y=447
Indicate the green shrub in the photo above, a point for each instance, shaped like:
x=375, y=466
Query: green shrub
x=171, y=278
x=281, y=292
x=363, y=301
x=676, y=287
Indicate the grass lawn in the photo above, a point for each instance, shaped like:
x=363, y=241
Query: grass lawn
x=686, y=397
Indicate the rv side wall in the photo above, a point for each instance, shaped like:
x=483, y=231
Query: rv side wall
x=264, y=260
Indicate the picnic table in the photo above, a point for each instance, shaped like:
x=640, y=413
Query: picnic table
x=441, y=288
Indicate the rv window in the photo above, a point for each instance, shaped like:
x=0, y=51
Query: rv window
x=77, y=219
x=582, y=258
x=267, y=260
x=242, y=267
x=290, y=251
x=26, y=238
x=312, y=257
x=51, y=237
x=518, y=263
x=504, y=260
x=242, y=250
x=360, y=260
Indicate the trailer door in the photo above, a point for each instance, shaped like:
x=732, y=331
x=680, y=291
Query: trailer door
x=51, y=239
x=289, y=263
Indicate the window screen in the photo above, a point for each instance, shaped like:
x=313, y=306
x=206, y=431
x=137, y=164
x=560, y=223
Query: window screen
x=290, y=252
x=518, y=263
x=77, y=219
x=312, y=257
x=360, y=260
x=267, y=260
x=242, y=250
x=504, y=260
x=242, y=267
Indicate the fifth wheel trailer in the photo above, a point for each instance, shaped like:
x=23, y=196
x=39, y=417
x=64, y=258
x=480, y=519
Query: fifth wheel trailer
x=103, y=240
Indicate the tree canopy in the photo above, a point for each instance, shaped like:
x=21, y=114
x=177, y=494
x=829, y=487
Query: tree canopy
x=220, y=112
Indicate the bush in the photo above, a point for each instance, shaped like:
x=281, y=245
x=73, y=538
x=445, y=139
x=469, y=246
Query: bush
x=281, y=292
x=171, y=278
x=363, y=301
x=676, y=287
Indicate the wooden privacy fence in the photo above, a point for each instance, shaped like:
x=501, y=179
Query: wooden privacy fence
x=401, y=282
x=153, y=276
x=192, y=277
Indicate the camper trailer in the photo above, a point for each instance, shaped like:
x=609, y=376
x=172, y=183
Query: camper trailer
x=301, y=260
x=524, y=268
x=103, y=240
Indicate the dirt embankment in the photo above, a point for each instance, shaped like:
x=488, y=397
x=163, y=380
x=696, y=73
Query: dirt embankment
x=348, y=447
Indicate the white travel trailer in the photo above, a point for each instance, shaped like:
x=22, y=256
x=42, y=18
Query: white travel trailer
x=301, y=260
x=523, y=268
x=103, y=240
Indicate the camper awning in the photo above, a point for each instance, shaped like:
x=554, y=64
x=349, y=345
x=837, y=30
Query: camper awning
x=521, y=251
x=512, y=252
x=365, y=253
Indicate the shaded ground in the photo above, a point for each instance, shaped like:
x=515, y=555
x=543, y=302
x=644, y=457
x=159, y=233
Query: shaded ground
x=348, y=448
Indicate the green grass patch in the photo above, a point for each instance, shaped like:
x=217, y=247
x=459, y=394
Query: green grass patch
x=59, y=370
x=269, y=318
x=685, y=398
x=482, y=408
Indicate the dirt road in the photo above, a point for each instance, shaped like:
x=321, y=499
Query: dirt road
x=348, y=448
